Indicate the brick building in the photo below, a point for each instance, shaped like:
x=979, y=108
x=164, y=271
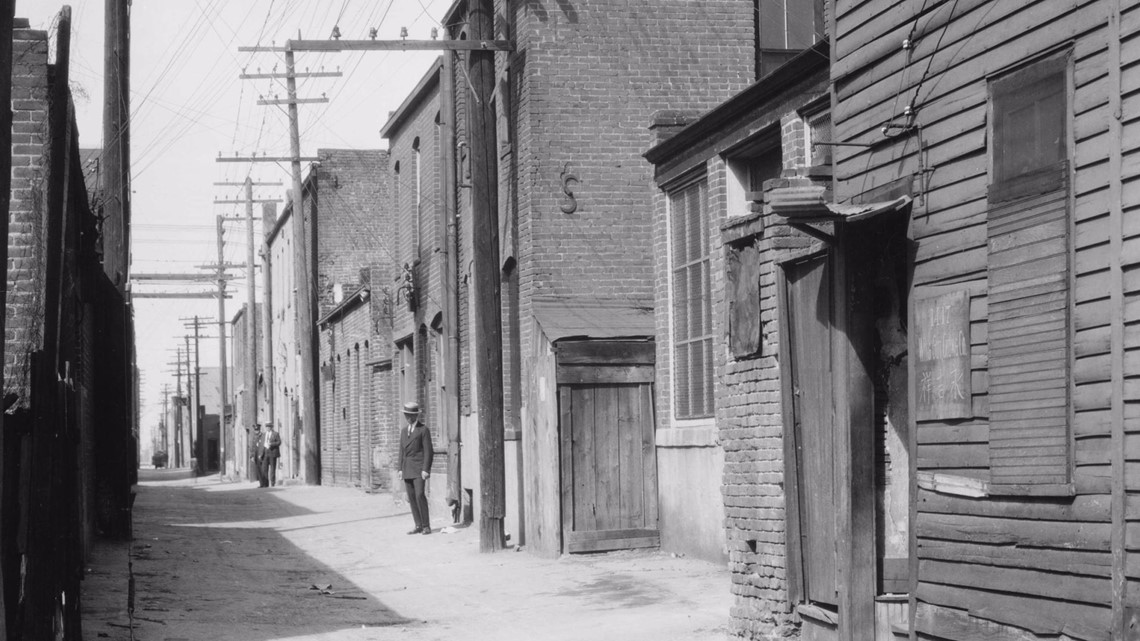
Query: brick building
x=69, y=449
x=572, y=103
x=242, y=396
x=719, y=339
x=344, y=197
x=357, y=420
x=27, y=231
x=419, y=348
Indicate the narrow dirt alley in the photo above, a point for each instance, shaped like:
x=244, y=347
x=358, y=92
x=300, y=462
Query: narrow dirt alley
x=214, y=560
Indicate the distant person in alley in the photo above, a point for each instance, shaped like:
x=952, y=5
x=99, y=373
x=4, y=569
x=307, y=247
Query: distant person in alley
x=258, y=456
x=415, y=465
x=272, y=453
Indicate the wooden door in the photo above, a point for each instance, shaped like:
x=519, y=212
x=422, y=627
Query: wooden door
x=809, y=306
x=609, y=467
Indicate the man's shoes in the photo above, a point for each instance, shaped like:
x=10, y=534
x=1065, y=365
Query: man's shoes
x=427, y=530
x=416, y=531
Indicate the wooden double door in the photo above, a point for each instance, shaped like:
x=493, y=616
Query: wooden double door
x=608, y=455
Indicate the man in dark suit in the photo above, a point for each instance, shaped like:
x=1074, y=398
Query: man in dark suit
x=416, y=455
x=262, y=456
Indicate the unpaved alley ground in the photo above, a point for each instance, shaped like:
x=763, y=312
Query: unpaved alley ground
x=214, y=560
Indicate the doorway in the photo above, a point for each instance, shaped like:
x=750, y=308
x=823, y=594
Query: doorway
x=843, y=314
x=608, y=455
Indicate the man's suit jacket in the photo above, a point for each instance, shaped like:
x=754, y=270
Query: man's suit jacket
x=416, y=452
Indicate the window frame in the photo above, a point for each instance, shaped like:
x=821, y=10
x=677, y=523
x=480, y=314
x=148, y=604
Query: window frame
x=698, y=179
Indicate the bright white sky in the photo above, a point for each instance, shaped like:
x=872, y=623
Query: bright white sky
x=188, y=104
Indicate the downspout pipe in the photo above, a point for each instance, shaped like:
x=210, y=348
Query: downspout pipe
x=450, y=303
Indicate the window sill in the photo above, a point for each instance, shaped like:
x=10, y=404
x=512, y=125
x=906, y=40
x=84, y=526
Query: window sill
x=696, y=436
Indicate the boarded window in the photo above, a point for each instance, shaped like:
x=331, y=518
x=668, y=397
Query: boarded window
x=692, y=304
x=1029, y=271
x=743, y=275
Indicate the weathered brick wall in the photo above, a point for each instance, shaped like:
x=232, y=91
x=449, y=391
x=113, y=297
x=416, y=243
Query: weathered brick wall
x=283, y=355
x=346, y=392
x=415, y=145
x=352, y=220
x=26, y=237
x=748, y=417
x=591, y=76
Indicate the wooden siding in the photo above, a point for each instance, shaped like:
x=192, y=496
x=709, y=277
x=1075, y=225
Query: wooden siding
x=1041, y=564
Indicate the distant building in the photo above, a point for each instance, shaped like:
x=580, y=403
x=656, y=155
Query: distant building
x=345, y=198
x=246, y=420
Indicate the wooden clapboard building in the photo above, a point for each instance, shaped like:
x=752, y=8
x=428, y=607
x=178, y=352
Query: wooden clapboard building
x=980, y=212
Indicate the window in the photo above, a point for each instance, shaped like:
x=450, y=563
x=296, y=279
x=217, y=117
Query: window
x=783, y=29
x=407, y=365
x=417, y=212
x=692, y=304
x=1030, y=143
x=1029, y=303
x=749, y=168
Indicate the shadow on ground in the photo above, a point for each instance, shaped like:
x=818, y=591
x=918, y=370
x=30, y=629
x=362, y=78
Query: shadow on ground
x=213, y=561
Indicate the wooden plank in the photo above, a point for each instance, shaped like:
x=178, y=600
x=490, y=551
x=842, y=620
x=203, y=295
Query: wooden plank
x=607, y=471
x=604, y=374
x=565, y=433
x=649, y=455
x=600, y=352
x=1091, y=341
x=942, y=483
x=793, y=563
x=1024, y=532
x=585, y=484
x=957, y=433
x=949, y=623
x=1091, y=509
x=1092, y=396
x=1068, y=562
x=631, y=508
x=604, y=545
x=953, y=455
x=1042, y=616
x=624, y=533
x=1090, y=423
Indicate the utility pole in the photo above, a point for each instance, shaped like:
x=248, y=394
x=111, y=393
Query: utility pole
x=165, y=416
x=487, y=275
x=116, y=141
x=200, y=451
x=249, y=408
x=178, y=414
x=223, y=436
x=268, y=217
x=190, y=432
x=305, y=293
x=251, y=315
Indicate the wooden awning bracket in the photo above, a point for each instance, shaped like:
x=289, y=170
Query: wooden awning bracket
x=814, y=232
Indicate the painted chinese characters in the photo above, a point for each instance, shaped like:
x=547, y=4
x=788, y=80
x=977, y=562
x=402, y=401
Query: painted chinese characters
x=942, y=338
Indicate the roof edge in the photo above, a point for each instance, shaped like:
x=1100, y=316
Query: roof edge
x=429, y=81
x=806, y=62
